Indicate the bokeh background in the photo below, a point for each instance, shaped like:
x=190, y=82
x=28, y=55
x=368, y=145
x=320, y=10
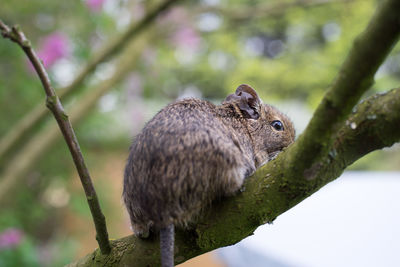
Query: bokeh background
x=289, y=51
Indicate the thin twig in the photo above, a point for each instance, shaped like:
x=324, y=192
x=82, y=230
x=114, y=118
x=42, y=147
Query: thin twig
x=53, y=103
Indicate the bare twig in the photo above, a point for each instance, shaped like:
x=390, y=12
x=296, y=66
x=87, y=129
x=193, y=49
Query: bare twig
x=53, y=103
x=111, y=48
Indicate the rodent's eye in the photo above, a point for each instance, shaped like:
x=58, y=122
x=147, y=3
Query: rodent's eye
x=278, y=125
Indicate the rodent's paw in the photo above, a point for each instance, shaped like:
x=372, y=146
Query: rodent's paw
x=143, y=235
x=274, y=155
x=141, y=232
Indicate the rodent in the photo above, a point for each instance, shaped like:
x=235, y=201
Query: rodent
x=193, y=152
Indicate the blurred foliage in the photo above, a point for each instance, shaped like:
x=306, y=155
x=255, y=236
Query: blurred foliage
x=202, y=48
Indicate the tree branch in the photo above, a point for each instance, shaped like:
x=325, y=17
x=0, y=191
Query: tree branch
x=355, y=77
x=108, y=50
x=267, y=193
x=54, y=104
x=373, y=125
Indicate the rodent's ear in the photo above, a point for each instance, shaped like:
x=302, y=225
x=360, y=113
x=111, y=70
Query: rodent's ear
x=248, y=100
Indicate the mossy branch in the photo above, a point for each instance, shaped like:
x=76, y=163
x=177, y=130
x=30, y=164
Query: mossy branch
x=38, y=113
x=267, y=193
x=53, y=103
x=373, y=125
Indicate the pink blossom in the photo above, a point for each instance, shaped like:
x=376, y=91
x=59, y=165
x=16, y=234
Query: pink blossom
x=53, y=48
x=186, y=37
x=95, y=5
x=10, y=238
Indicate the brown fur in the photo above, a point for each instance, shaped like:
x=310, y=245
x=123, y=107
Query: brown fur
x=193, y=152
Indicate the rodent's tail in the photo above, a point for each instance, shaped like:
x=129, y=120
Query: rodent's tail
x=167, y=236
